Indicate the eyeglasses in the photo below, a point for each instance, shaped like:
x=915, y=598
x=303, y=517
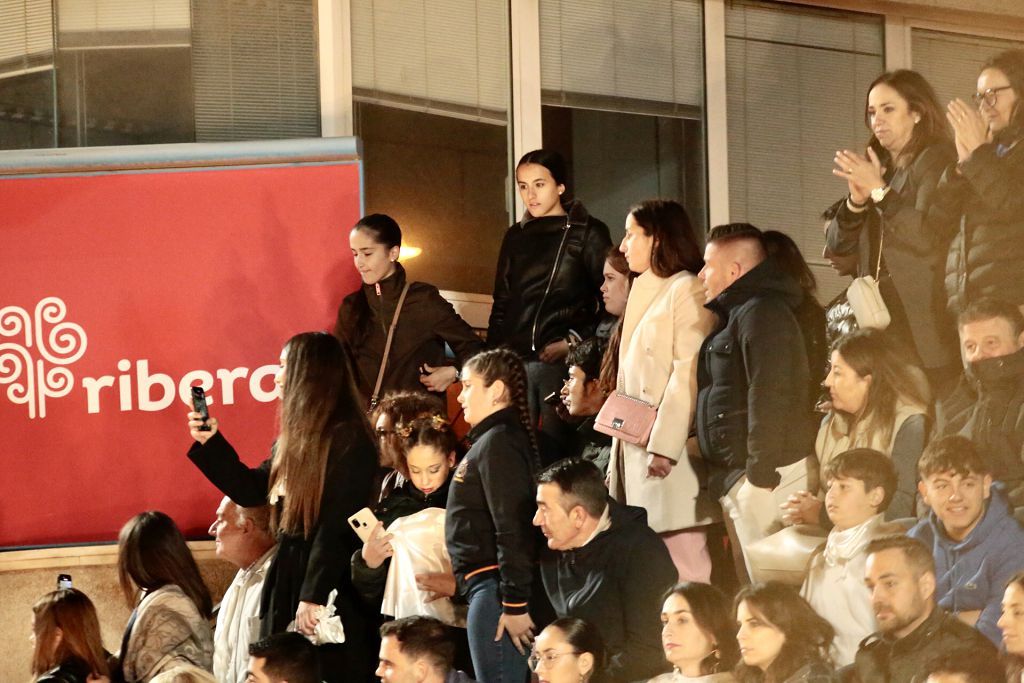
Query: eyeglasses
x=989, y=96
x=547, y=657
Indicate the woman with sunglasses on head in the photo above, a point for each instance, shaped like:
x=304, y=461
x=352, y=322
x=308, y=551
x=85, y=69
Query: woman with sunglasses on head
x=889, y=218
x=982, y=191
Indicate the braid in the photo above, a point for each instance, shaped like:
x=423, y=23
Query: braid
x=505, y=364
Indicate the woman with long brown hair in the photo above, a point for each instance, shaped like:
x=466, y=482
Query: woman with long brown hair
x=890, y=218
x=68, y=647
x=171, y=606
x=320, y=473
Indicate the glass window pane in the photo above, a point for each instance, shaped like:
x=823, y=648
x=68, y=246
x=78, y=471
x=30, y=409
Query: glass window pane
x=27, y=107
x=622, y=92
x=952, y=61
x=431, y=87
x=788, y=112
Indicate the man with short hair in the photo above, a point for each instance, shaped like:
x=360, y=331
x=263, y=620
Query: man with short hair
x=283, y=658
x=988, y=404
x=975, y=540
x=583, y=397
x=912, y=630
x=417, y=650
x=754, y=418
x=607, y=566
x=860, y=484
x=964, y=666
x=243, y=538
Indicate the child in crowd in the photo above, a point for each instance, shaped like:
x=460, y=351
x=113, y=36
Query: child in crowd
x=859, y=485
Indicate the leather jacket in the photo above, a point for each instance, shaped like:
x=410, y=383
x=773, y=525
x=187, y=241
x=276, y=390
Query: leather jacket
x=548, y=280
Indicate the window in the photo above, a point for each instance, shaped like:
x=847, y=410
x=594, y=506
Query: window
x=952, y=61
x=622, y=94
x=796, y=82
x=27, y=116
x=431, y=90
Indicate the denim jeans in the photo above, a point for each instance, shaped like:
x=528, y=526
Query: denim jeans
x=494, y=662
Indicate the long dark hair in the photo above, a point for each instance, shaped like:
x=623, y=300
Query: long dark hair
x=711, y=612
x=152, y=553
x=385, y=231
x=675, y=244
x=808, y=636
x=787, y=255
x=922, y=100
x=1011, y=64
x=433, y=431
x=319, y=395
x=72, y=612
x=610, y=362
x=893, y=376
x=505, y=364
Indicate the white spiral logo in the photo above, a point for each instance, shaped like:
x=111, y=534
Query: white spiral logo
x=29, y=381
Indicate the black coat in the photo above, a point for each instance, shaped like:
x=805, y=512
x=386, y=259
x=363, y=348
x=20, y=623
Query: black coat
x=548, y=280
x=754, y=413
x=617, y=582
x=987, y=202
x=917, y=234
x=427, y=321
x=307, y=569
x=881, y=659
x=988, y=408
x=490, y=509
x=71, y=670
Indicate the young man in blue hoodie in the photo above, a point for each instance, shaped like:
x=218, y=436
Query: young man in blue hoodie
x=976, y=542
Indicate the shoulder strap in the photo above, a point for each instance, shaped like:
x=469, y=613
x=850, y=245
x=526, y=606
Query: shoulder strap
x=387, y=347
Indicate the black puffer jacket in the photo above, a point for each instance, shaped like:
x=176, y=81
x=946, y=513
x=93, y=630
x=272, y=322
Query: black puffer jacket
x=548, y=280
x=988, y=408
x=986, y=195
x=753, y=410
x=425, y=323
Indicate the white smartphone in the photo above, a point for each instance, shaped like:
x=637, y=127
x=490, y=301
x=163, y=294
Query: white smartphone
x=363, y=523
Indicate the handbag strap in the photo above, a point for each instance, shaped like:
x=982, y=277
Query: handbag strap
x=387, y=347
x=881, y=241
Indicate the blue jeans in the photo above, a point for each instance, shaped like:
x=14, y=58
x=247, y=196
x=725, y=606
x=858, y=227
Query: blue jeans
x=494, y=662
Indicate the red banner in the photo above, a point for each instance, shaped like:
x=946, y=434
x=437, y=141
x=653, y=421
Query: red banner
x=119, y=290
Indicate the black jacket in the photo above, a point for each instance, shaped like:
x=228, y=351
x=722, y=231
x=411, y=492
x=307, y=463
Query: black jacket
x=488, y=526
x=548, y=280
x=986, y=200
x=425, y=323
x=403, y=501
x=882, y=659
x=917, y=234
x=303, y=569
x=754, y=413
x=616, y=582
x=988, y=408
x=71, y=670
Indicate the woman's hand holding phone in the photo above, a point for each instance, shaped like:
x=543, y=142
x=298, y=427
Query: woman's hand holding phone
x=378, y=548
x=195, y=421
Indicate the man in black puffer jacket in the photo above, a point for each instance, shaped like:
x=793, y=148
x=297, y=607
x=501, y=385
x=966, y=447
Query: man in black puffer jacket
x=754, y=420
x=988, y=404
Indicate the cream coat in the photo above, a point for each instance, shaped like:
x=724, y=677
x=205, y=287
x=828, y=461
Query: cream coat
x=663, y=327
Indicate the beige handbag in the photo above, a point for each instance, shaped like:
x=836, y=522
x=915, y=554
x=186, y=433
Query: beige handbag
x=865, y=297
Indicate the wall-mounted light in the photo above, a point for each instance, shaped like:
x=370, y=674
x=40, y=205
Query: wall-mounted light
x=407, y=253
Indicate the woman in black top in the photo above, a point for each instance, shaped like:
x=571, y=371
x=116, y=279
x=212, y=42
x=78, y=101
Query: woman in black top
x=547, y=285
x=66, y=634
x=488, y=527
x=319, y=474
x=891, y=209
x=426, y=320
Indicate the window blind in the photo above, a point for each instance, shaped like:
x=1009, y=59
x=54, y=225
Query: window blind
x=641, y=56
x=795, y=93
x=951, y=62
x=448, y=57
x=26, y=36
x=254, y=70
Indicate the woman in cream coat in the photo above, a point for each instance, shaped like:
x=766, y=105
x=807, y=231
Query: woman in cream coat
x=662, y=330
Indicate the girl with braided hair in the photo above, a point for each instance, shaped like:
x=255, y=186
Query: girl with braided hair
x=488, y=528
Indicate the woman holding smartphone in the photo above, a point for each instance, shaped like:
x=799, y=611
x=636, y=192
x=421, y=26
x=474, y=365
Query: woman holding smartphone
x=320, y=473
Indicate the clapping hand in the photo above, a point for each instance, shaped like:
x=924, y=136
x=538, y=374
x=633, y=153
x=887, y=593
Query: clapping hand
x=969, y=129
x=862, y=174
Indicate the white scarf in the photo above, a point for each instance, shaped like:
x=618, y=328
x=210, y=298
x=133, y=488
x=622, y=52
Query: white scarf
x=842, y=546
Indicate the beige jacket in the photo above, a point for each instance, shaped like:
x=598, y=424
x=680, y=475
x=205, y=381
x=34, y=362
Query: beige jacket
x=168, y=632
x=662, y=330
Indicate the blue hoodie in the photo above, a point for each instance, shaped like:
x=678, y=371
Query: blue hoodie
x=972, y=574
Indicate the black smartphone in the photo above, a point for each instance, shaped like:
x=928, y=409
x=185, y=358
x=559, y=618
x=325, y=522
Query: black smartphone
x=63, y=581
x=199, y=405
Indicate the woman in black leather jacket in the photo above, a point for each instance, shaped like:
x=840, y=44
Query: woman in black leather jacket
x=891, y=208
x=547, y=285
x=68, y=645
